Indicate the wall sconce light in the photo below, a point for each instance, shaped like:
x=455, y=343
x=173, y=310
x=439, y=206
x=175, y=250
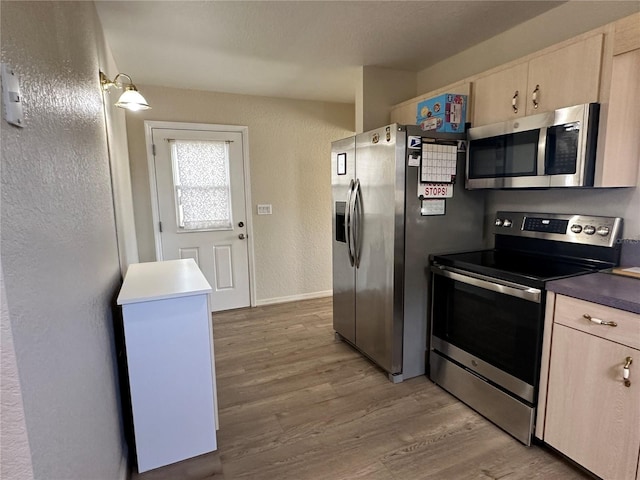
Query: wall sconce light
x=130, y=98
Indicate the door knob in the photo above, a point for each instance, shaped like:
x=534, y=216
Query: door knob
x=241, y=236
x=241, y=224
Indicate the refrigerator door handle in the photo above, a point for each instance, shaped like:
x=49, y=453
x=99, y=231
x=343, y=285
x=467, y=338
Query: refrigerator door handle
x=357, y=224
x=347, y=223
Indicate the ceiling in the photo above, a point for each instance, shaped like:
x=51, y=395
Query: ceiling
x=296, y=49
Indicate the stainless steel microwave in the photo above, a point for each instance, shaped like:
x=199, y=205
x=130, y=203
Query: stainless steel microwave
x=553, y=149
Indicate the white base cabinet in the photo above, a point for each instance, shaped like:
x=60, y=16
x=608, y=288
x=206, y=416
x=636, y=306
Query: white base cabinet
x=169, y=349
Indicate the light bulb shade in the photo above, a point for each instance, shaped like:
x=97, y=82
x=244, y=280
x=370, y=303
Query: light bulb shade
x=132, y=100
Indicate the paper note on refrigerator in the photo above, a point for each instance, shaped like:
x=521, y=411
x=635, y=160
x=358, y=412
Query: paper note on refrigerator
x=438, y=163
x=432, y=207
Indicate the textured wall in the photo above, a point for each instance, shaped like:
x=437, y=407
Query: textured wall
x=119, y=162
x=14, y=444
x=378, y=90
x=289, y=151
x=58, y=243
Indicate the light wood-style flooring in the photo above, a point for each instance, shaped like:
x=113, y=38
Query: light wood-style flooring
x=297, y=404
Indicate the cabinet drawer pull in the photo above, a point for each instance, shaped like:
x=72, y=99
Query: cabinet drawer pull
x=514, y=102
x=626, y=370
x=534, y=96
x=600, y=322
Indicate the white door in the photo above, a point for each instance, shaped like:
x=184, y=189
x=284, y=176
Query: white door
x=201, y=207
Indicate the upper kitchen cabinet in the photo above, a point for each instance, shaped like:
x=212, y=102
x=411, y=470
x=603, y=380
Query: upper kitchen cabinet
x=617, y=162
x=500, y=96
x=601, y=66
x=627, y=34
x=561, y=77
x=565, y=77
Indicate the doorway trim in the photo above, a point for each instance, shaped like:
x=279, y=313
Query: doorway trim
x=153, y=185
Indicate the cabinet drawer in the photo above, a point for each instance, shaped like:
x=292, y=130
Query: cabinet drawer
x=569, y=311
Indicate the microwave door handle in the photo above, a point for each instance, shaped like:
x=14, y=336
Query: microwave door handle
x=513, y=290
x=542, y=148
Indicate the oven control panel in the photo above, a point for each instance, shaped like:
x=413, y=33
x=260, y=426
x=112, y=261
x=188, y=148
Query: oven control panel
x=585, y=229
x=543, y=224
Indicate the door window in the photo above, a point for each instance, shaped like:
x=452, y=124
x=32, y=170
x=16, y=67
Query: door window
x=201, y=185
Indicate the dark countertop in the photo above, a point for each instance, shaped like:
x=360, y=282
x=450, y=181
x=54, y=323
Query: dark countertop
x=604, y=288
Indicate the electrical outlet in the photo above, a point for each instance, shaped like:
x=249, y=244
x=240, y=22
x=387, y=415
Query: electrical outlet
x=11, y=96
x=264, y=209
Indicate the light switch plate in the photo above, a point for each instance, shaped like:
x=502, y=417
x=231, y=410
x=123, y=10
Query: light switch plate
x=264, y=209
x=11, y=97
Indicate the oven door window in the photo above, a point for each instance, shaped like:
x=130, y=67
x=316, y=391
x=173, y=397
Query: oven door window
x=499, y=329
x=513, y=155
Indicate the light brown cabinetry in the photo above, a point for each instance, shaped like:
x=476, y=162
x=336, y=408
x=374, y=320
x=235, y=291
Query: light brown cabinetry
x=500, y=96
x=618, y=165
x=567, y=76
x=599, y=66
x=590, y=414
x=627, y=34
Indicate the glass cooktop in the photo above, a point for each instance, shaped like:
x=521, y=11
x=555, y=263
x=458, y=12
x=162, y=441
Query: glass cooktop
x=527, y=269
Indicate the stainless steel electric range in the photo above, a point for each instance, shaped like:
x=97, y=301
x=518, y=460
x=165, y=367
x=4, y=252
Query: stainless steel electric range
x=487, y=309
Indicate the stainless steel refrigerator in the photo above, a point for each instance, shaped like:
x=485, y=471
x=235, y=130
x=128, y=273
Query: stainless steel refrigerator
x=383, y=234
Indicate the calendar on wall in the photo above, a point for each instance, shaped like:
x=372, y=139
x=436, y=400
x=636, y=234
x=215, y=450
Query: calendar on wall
x=438, y=162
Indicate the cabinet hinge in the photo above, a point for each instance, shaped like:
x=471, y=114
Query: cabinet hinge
x=160, y=226
x=153, y=149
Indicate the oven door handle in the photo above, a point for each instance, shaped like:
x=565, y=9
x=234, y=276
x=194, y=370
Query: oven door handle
x=513, y=289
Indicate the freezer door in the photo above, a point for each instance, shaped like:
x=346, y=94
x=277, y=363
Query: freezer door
x=342, y=181
x=379, y=244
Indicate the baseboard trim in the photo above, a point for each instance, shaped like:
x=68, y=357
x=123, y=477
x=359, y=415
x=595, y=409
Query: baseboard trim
x=293, y=298
x=124, y=473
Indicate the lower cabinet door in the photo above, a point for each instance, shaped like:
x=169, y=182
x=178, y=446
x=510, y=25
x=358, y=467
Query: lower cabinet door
x=592, y=417
x=169, y=362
